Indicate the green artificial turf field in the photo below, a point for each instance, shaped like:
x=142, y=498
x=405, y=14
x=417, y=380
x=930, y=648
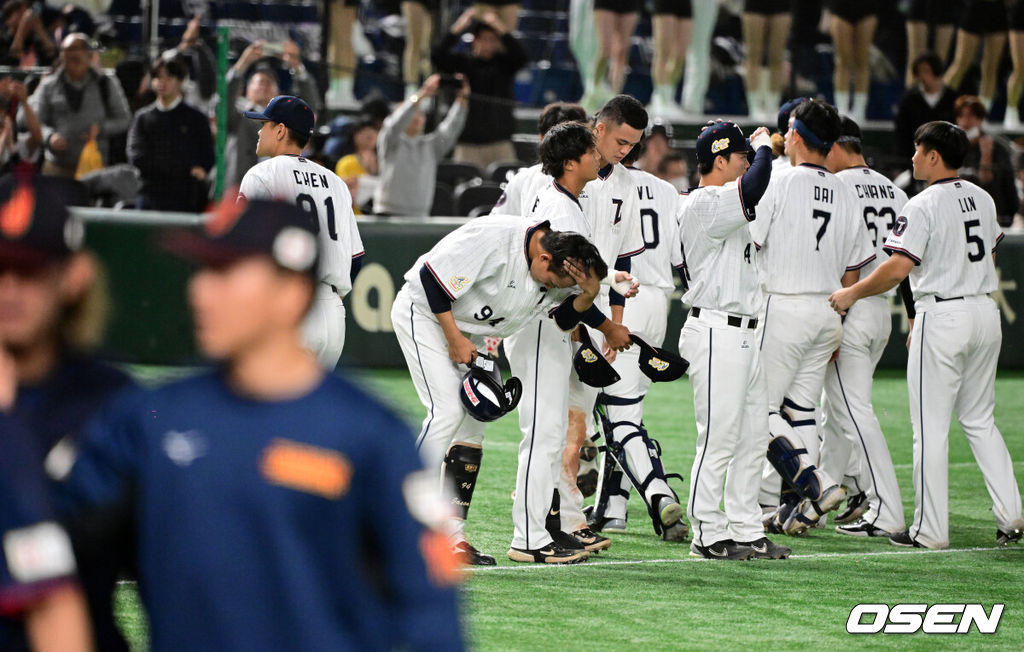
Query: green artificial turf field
x=647, y=594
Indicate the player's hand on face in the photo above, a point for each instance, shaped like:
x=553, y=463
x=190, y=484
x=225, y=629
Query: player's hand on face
x=621, y=281
x=841, y=300
x=586, y=281
x=617, y=337
x=430, y=86
x=461, y=350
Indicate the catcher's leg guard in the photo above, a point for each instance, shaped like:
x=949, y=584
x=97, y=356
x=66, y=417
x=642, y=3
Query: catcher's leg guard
x=639, y=457
x=610, y=488
x=461, y=466
x=791, y=464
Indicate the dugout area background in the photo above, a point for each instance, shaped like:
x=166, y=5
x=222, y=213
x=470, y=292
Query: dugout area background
x=151, y=323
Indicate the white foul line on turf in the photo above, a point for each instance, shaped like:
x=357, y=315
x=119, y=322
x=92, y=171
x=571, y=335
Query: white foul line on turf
x=682, y=560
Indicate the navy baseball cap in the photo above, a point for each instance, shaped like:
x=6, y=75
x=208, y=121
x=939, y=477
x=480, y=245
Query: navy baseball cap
x=658, y=364
x=720, y=138
x=785, y=111
x=35, y=225
x=283, y=232
x=291, y=111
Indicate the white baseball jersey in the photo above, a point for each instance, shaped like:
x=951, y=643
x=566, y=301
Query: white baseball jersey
x=719, y=251
x=949, y=230
x=483, y=268
x=520, y=190
x=879, y=201
x=658, y=201
x=557, y=205
x=808, y=233
x=610, y=201
x=311, y=186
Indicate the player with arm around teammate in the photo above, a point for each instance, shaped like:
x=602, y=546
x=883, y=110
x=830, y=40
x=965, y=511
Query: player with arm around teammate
x=852, y=441
x=265, y=490
x=944, y=239
x=810, y=243
x=490, y=277
x=720, y=341
x=288, y=176
x=634, y=458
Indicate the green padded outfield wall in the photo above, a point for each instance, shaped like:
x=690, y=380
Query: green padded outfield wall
x=151, y=322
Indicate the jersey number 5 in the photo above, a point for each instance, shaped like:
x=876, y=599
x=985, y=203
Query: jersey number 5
x=307, y=203
x=974, y=240
x=825, y=217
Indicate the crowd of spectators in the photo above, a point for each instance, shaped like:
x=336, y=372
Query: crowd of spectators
x=150, y=130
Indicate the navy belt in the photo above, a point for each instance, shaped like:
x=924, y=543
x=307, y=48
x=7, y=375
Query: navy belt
x=940, y=299
x=732, y=320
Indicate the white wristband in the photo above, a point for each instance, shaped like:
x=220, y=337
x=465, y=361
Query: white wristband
x=622, y=287
x=762, y=140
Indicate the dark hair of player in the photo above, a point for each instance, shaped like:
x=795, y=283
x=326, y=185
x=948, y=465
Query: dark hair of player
x=557, y=113
x=173, y=67
x=297, y=137
x=930, y=59
x=949, y=140
x=823, y=121
x=567, y=141
x=850, y=136
x=565, y=244
x=635, y=153
x=624, y=109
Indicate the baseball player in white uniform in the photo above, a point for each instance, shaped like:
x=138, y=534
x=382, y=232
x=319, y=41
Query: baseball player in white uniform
x=945, y=240
x=489, y=277
x=633, y=459
x=541, y=357
x=527, y=182
x=719, y=339
x=852, y=440
x=811, y=242
x=287, y=176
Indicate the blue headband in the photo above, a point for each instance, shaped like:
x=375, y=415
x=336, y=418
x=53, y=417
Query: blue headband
x=808, y=135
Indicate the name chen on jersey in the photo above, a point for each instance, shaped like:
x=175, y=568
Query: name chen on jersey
x=311, y=179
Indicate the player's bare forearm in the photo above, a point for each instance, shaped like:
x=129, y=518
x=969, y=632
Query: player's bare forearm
x=850, y=277
x=616, y=335
x=617, y=314
x=460, y=349
x=885, y=277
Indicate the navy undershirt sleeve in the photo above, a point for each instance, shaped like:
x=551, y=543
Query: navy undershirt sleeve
x=436, y=297
x=755, y=180
x=623, y=265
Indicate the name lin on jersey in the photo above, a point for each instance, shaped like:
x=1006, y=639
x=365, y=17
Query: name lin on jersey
x=310, y=179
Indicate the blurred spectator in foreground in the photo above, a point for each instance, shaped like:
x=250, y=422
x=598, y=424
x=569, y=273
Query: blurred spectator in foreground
x=766, y=26
x=171, y=145
x=853, y=29
x=673, y=168
x=671, y=23
x=24, y=41
x=929, y=99
x=983, y=24
x=261, y=85
x=78, y=103
x=989, y=161
x=16, y=144
x=655, y=146
x=940, y=16
x=408, y=157
x=490, y=67
x=359, y=170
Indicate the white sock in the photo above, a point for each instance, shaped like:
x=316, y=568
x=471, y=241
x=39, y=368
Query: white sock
x=842, y=101
x=986, y=102
x=860, y=106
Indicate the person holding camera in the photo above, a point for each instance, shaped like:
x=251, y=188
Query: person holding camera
x=408, y=158
x=490, y=66
x=261, y=84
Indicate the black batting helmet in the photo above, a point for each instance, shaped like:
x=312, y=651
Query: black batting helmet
x=483, y=395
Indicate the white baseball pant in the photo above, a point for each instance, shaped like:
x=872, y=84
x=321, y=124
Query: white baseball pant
x=323, y=330
x=954, y=349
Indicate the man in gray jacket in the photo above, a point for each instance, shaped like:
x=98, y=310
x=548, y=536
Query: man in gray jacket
x=408, y=158
x=260, y=87
x=75, y=104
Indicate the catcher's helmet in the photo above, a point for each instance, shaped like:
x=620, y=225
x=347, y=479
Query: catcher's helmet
x=482, y=393
x=658, y=364
x=590, y=365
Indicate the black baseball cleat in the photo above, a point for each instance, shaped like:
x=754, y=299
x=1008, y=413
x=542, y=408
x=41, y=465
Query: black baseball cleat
x=565, y=540
x=903, y=540
x=549, y=554
x=861, y=528
x=764, y=548
x=471, y=556
x=856, y=505
x=725, y=550
x=590, y=540
x=1012, y=535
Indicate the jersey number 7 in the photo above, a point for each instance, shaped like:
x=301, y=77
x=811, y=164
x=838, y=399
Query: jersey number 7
x=307, y=203
x=825, y=217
